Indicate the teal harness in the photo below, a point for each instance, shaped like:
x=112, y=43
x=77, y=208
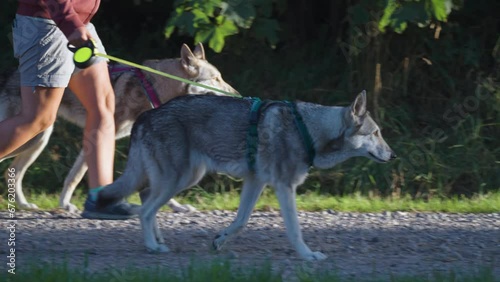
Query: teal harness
x=253, y=134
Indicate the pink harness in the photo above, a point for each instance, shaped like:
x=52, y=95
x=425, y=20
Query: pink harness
x=146, y=85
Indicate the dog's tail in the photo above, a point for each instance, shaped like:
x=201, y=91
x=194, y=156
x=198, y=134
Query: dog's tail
x=132, y=179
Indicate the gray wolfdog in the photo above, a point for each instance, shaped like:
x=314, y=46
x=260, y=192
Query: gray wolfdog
x=171, y=149
x=131, y=101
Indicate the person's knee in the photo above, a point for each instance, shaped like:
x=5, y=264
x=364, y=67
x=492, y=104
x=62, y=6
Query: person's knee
x=108, y=105
x=103, y=114
x=40, y=121
x=39, y=108
x=45, y=120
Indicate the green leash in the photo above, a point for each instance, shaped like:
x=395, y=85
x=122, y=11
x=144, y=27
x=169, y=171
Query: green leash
x=84, y=57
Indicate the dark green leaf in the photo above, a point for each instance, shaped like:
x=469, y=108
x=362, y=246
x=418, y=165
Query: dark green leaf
x=199, y=17
x=169, y=30
x=227, y=28
x=209, y=7
x=203, y=35
x=185, y=23
x=216, y=41
x=242, y=13
x=413, y=12
x=441, y=9
x=387, y=16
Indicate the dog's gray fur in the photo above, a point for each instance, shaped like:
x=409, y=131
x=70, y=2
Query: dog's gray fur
x=131, y=101
x=172, y=148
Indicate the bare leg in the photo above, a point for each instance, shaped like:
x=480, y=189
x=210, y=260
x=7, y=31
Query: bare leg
x=93, y=88
x=38, y=112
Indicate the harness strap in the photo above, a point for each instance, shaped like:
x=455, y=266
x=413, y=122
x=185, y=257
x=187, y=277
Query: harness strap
x=304, y=132
x=146, y=85
x=253, y=135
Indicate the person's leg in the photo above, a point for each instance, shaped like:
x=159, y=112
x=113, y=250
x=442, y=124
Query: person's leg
x=38, y=112
x=44, y=74
x=93, y=88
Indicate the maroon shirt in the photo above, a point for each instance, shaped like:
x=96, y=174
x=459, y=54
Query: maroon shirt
x=67, y=14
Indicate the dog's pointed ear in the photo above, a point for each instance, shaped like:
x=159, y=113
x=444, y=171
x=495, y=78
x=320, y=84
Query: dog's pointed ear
x=358, y=107
x=189, y=60
x=199, y=51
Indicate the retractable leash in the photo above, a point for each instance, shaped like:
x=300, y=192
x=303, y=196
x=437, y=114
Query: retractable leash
x=84, y=56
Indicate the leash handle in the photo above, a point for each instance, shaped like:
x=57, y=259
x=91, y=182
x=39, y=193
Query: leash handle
x=84, y=56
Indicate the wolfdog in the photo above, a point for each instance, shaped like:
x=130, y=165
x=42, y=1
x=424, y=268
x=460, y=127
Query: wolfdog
x=130, y=86
x=172, y=147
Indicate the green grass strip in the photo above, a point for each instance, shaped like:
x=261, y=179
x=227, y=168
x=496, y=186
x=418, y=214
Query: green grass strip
x=311, y=201
x=217, y=271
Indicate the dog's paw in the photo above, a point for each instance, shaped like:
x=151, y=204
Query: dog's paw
x=183, y=208
x=27, y=206
x=160, y=240
x=70, y=208
x=218, y=242
x=315, y=256
x=160, y=248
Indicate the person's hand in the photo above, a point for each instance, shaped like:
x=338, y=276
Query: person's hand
x=79, y=36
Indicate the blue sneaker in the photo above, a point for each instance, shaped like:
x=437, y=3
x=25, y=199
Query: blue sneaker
x=117, y=211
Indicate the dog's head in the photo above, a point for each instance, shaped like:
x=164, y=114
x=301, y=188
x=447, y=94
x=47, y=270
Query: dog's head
x=363, y=135
x=199, y=70
x=192, y=65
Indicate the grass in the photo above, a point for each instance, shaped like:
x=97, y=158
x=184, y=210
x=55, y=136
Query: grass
x=220, y=271
x=312, y=201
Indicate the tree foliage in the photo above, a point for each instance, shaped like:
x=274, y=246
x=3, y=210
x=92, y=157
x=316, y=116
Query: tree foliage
x=213, y=20
x=398, y=13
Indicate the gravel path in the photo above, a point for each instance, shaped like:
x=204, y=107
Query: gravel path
x=357, y=244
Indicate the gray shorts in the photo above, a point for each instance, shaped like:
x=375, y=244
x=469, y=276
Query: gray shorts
x=41, y=47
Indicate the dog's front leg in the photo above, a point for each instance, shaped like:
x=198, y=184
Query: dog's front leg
x=158, y=234
x=28, y=153
x=144, y=195
x=153, y=238
x=74, y=177
x=14, y=176
x=251, y=191
x=286, y=198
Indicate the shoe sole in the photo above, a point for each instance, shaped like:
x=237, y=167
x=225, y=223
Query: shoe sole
x=107, y=216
